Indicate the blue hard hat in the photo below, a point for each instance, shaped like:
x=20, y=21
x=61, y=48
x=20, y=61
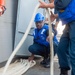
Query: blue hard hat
x=39, y=17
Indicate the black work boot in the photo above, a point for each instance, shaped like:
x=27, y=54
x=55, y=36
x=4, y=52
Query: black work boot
x=64, y=72
x=46, y=63
x=43, y=61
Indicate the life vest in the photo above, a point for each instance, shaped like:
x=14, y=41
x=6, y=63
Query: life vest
x=40, y=35
x=2, y=2
x=68, y=14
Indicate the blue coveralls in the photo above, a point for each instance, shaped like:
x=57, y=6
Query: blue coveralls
x=66, y=47
x=40, y=47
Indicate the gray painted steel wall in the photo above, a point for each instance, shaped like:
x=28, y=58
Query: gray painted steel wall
x=7, y=29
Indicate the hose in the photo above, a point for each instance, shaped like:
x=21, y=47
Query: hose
x=21, y=42
x=51, y=44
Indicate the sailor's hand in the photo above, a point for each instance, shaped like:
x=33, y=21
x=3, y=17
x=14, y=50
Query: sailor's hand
x=42, y=4
x=2, y=10
x=31, y=57
x=52, y=16
x=48, y=37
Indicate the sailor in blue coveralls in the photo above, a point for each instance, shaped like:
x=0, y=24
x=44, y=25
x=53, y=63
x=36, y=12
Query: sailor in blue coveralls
x=41, y=44
x=66, y=12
